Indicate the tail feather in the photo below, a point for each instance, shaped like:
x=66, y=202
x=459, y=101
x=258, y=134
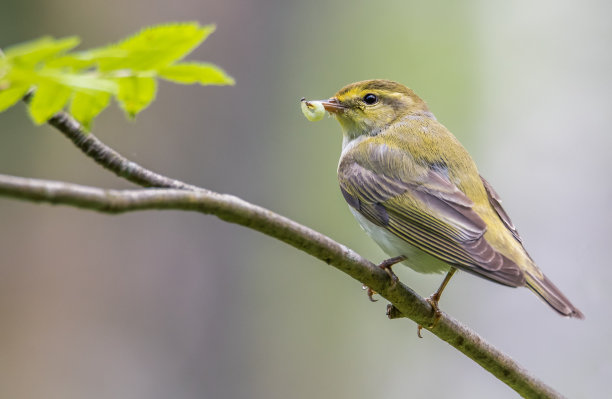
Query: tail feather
x=552, y=295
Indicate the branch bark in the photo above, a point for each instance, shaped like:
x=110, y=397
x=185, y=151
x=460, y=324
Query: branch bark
x=174, y=194
x=110, y=159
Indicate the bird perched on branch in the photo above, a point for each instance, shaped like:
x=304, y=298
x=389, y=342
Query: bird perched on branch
x=417, y=192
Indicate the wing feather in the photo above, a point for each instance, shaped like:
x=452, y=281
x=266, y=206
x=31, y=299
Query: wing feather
x=495, y=201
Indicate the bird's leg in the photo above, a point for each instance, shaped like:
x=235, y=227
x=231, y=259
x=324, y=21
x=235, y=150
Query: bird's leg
x=435, y=298
x=386, y=266
x=388, y=263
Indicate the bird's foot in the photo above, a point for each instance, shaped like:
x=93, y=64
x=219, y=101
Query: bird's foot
x=386, y=266
x=370, y=292
x=433, y=301
x=388, y=263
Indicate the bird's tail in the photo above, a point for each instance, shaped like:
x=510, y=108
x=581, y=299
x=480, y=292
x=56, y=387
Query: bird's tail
x=552, y=295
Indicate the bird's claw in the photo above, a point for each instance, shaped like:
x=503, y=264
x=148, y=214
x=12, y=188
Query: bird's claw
x=370, y=292
x=433, y=301
x=392, y=275
x=386, y=266
x=388, y=263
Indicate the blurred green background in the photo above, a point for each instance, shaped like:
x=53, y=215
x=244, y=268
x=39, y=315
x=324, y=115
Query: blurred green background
x=171, y=304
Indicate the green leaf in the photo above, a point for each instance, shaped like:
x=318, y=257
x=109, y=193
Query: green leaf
x=78, y=81
x=70, y=61
x=10, y=96
x=4, y=66
x=135, y=94
x=156, y=46
x=48, y=99
x=87, y=80
x=31, y=53
x=196, y=72
x=85, y=59
x=85, y=106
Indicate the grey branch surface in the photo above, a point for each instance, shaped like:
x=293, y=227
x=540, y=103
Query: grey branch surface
x=174, y=194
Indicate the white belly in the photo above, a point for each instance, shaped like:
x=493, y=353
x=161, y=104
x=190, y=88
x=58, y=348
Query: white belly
x=416, y=259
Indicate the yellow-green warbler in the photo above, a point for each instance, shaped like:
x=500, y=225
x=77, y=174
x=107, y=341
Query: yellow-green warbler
x=417, y=192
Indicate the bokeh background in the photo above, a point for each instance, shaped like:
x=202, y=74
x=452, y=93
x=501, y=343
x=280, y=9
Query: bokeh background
x=173, y=304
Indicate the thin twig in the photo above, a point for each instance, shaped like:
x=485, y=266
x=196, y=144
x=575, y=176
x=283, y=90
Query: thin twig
x=111, y=159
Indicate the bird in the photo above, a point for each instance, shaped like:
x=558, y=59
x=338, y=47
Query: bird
x=418, y=193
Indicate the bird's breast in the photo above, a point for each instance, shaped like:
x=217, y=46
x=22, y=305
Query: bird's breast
x=393, y=246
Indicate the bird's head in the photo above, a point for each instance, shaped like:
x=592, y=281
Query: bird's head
x=369, y=106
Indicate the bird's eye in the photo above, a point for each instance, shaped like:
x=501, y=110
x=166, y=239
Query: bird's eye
x=370, y=99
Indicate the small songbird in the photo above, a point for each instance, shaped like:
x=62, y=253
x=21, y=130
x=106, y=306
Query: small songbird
x=417, y=192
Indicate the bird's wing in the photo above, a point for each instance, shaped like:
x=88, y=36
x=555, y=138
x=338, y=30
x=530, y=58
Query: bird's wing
x=423, y=207
x=495, y=201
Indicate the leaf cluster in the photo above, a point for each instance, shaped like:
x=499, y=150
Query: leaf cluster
x=85, y=81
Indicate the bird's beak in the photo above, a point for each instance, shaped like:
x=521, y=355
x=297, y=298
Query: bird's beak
x=333, y=106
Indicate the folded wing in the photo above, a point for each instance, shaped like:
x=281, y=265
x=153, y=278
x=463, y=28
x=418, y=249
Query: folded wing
x=424, y=208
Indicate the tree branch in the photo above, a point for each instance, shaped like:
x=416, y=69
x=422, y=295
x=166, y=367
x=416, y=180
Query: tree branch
x=182, y=196
x=235, y=210
x=111, y=159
